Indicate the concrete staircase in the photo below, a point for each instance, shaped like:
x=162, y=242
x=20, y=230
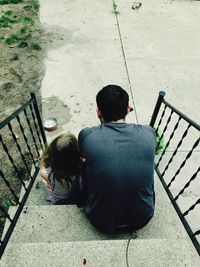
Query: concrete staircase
x=48, y=235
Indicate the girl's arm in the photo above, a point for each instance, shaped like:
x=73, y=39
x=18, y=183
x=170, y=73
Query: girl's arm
x=45, y=176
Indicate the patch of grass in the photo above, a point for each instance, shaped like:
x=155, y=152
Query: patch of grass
x=15, y=57
x=36, y=46
x=8, y=12
x=6, y=20
x=25, y=29
x=25, y=20
x=11, y=39
x=5, y=204
x=23, y=44
x=4, y=2
x=160, y=142
x=35, y=4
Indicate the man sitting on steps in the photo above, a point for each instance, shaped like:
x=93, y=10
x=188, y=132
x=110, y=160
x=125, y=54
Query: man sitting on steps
x=119, y=166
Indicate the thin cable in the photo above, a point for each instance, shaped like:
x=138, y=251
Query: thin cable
x=132, y=236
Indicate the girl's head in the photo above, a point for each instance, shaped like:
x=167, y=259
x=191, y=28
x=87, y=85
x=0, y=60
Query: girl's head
x=62, y=155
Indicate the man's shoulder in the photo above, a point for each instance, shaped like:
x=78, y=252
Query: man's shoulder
x=86, y=132
x=144, y=128
x=149, y=129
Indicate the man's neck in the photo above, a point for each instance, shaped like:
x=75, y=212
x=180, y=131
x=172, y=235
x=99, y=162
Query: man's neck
x=118, y=121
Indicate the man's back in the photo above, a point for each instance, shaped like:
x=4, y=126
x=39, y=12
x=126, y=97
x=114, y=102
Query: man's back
x=120, y=164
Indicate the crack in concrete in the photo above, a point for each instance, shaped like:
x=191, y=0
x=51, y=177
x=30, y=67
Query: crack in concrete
x=125, y=62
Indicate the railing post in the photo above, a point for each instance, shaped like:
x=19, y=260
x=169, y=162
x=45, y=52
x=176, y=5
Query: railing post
x=157, y=108
x=39, y=118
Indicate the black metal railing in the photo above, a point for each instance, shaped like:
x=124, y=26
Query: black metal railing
x=22, y=138
x=178, y=164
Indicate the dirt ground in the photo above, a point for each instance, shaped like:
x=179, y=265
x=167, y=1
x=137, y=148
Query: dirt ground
x=21, y=53
x=22, y=49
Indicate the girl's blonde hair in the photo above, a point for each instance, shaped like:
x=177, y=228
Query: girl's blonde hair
x=63, y=156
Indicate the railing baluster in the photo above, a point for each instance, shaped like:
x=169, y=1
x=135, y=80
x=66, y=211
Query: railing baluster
x=36, y=126
x=37, y=112
x=25, y=139
x=175, y=151
x=19, y=148
x=12, y=162
x=9, y=186
x=183, y=163
x=197, y=233
x=157, y=108
x=168, y=121
x=167, y=144
x=161, y=118
x=192, y=207
x=187, y=184
x=31, y=130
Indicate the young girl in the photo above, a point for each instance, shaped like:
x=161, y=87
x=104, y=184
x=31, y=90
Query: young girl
x=60, y=169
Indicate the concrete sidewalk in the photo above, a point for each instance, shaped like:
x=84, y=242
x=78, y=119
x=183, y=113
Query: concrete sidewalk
x=145, y=51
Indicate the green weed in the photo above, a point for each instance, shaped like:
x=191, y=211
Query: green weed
x=5, y=21
x=25, y=29
x=11, y=39
x=8, y=12
x=4, y=2
x=36, y=46
x=160, y=143
x=22, y=44
x=5, y=204
x=26, y=20
x=35, y=4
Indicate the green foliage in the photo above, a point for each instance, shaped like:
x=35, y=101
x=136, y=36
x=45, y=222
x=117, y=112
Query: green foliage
x=6, y=20
x=26, y=26
x=8, y=12
x=4, y=2
x=35, y=4
x=11, y=39
x=25, y=29
x=160, y=142
x=5, y=204
x=36, y=46
x=26, y=20
x=23, y=44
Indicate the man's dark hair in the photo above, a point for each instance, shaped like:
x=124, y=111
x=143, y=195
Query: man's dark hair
x=112, y=101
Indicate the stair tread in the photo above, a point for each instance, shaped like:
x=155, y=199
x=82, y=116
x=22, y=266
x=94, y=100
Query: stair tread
x=69, y=223
x=152, y=252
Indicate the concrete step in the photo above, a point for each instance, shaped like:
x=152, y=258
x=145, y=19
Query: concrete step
x=37, y=194
x=69, y=223
x=144, y=253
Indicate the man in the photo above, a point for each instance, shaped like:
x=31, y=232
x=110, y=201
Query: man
x=119, y=165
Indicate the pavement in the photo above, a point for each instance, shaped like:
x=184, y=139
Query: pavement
x=156, y=47
x=96, y=43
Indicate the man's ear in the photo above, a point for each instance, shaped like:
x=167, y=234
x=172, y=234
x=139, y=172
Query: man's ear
x=99, y=114
x=129, y=109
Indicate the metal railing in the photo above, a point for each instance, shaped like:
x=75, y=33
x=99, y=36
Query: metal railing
x=178, y=165
x=22, y=138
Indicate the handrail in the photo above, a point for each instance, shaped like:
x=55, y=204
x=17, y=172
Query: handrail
x=30, y=129
x=173, y=130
